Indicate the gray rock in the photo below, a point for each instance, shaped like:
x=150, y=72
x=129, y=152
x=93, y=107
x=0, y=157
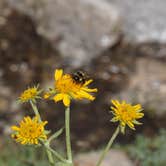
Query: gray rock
x=143, y=20
x=80, y=29
x=114, y=157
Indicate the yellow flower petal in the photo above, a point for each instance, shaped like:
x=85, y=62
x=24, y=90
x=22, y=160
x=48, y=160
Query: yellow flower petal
x=58, y=74
x=66, y=100
x=115, y=103
x=58, y=97
x=140, y=115
x=15, y=128
x=85, y=95
x=89, y=90
x=137, y=107
x=88, y=82
x=46, y=95
x=131, y=125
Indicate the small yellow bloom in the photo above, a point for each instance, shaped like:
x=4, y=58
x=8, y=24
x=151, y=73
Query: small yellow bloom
x=65, y=89
x=30, y=94
x=29, y=131
x=126, y=114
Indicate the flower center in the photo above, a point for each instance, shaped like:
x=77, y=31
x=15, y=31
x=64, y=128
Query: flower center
x=28, y=94
x=127, y=114
x=67, y=85
x=31, y=131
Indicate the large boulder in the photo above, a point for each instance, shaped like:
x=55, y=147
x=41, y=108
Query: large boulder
x=80, y=29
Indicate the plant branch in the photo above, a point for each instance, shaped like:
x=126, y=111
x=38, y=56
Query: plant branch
x=108, y=146
x=68, y=141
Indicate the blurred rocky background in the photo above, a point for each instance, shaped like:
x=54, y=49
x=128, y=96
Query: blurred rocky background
x=120, y=44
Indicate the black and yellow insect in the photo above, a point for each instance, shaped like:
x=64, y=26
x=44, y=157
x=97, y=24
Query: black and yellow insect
x=79, y=77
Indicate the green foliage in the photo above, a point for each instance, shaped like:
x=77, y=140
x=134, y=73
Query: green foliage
x=63, y=164
x=149, y=151
x=13, y=155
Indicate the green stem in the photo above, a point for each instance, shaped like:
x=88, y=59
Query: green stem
x=50, y=157
x=108, y=146
x=56, y=154
x=34, y=107
x=68, y=142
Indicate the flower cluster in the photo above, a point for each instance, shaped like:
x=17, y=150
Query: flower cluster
x=65, y=88
x=31, y=131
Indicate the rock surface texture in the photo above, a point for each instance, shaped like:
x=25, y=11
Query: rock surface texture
x=114, y=157
x=80, y=29
x=143, y=20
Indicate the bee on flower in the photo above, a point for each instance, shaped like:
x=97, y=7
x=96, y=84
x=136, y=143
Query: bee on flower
x=126, y=114
x=32, y=93
x=70, y=86
x=29, y=131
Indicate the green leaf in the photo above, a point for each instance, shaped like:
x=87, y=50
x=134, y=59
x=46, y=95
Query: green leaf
x=56, y=134
x=136, y=122
x=47, y=132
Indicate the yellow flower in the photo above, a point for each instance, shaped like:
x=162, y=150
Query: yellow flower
x=29, y=131
x=126, y=114
x=30, y=94
x=66, y=88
